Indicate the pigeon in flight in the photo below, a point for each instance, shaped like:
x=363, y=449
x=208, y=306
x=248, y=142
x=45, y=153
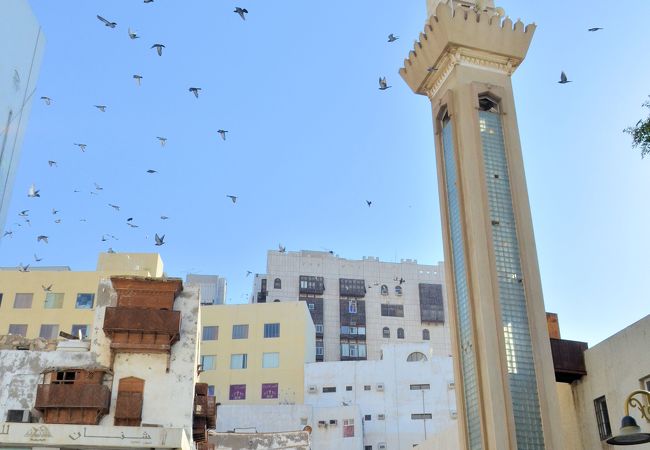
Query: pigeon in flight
x=93, y=193
x=133, y=34
x=383, y=85
x=129, y=219
x=104, y=238
x=81, y=146
x=42, y=238
x=392, y=37
x=158, y=48
x=102, y=108
x=163, y=140
x=115, y=207
x=369, y=202
x=8, y=233
x=159, y=240
x=47, y=100
x=47, y=288
x=23, y=213
x=132, y=225
x=33, y=192
x=248, y=272
x=138, y=79
x=28, y=222
x=152, y=171
x=57, y=221
x=22, y=268
x=98, y=187
x=241, y=12
x=222, y=133
x=563, y=78
x=402, y=281
x=110, y=249
x=282, y=248
x=108, y=23
x=164, y=217
x=52, y=163
x=195, y=91
x=233, y=198
x=55, y=211
x=36, y=258
x=431, y=69
x=595, y=29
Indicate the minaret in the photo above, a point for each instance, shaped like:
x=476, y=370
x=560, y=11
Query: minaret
x=503, y=364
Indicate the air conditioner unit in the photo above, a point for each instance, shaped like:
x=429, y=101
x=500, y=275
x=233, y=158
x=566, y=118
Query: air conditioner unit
x=380, y=387
x=451, y=385
x=18, y=416
x=381, y=416
x=312, y=389
x=382, y=446
x=453, y=413
x=334, y=422
x=322, y=423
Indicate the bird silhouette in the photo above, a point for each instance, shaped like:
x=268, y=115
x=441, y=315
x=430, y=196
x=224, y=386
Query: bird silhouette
x=52, y=163
x=138, y=79
x=47, y=288
x=33, y=192
x=102, y=108
x=152, y=171
x=159, y=48
x=36, y=258
x=133, y=34
x=47, y=100
x=595, y=29
x=563, y=78
x=23, y=213
x=241, y=11
x=162, y=140
x=160, y=240
x=42, y=238
x=82, y=147
x=98, y=187
x=233, y=198
x=195, y=91
x=222, y=133
x=108, y=23
x=115, y=207
x=164, y=217
x=392, y=37
x=383, y=85
x=282, y=248
x=22, y=268
x=248, y=272
x=368, y=202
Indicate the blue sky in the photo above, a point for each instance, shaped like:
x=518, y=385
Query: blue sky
x=311, y=138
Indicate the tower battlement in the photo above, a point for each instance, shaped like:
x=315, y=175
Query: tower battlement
x=464, y=36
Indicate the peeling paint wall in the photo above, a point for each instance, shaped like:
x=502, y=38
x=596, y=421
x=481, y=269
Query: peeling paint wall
x=297, y=440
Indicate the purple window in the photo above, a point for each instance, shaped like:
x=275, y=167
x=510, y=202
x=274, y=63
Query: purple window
x=270, y=390
x=237, y=392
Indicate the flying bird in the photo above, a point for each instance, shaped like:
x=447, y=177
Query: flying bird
x=36, y=258
x=110, y=249
x=55, y=211
x=52, y=163
x=33, y=192
x=47, y=100
x=129, y=219
x=159, y=240
x=195, y=91
x=57, y=221
x=369, y=202
x=133, y=34
x=102, y=108
x=392, y=37
x=42, y=238
x=152, y=171
x=383, y=85
x=98, y=187
x=47, y=288
x=563, y=78
x=282, y=248
x=163, y=140
x=241, y=12
x=233, y=198
x=148, y=1
x=138, y=79
x=115, y=207
x=595, y=29
x=23, y=213
x=8, y=233
x=132, y=225
x=222, y=133
x=108, y=23
x=159, y=48
x=402, y=281
x=164, y=217
x=22, y=268
x=81, y=146
x=431, y=69
x=248, y=272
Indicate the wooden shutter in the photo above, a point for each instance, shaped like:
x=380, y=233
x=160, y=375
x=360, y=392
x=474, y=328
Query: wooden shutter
x=128, y=408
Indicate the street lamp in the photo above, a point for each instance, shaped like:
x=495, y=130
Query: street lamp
x=630, y=433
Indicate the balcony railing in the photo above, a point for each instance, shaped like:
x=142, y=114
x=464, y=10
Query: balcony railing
x=148, y=330
x=87, y=396
x=568, y=360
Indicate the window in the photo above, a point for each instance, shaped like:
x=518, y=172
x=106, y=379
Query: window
x=240, y=331
x=431, y=303
x=416, y=356
x=311, y=285
x=645, y=383
x=23, y=301
x=367, y=447
x=237, y=392
x=269, y=390
x=421, y=416
x=263, y=285
x=83, y=329
x=367, y=417
x=238, y=361
x=426, y=335
x=128, y=408
x=329, y=389
x=352, y=306
x=270, y=360
x=398, y=290
x=320, y=349
x=353, y=349
x=0, y=298
x=210, y=333
x=400, y=333
x=352, y=288
x=386, y=332
x=420, y=387
x=348, y=428
x=53, y=301
x=15, y=415
x=277, y=283
x=381, y=416
x=85, y=301
x=49, y=331
x=602, y=418
x=208, y=362
x=311, y=306
x=18, y=329
x=271, y=330
x=319, y=328
x=211, y=390
x=392, y=310
x=357, y=331
x=384, y=289
x=366, y=387
x=65, y=377
x=348, y=388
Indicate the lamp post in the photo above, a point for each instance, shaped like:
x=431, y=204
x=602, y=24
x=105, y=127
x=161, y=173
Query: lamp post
x=631, y=433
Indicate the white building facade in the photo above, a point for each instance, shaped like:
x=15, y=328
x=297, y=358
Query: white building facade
x=359, y=305
x=213, y=288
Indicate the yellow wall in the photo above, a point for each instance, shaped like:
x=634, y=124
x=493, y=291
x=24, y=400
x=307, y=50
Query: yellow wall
x=69, y=284
x=296, y=345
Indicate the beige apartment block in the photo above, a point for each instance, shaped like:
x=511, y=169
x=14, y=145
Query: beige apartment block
x=48, y=300
x=463, y=62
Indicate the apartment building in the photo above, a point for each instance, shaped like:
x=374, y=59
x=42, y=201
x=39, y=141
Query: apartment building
x=256, y=353
x=359, y=305
x=213, y=288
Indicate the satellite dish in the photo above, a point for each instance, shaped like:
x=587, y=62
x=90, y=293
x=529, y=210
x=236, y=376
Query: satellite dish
x=500, y=11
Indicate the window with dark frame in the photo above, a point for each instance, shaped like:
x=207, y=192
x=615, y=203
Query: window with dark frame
x=277, y=283
x=386, y=332
x=18, y=329
x=80, y=328
x=49, y=331
x=421, y=416
x=240, y=331
x=389, y=310
x=384, y=289
x=210, y=333
x=23, y=300
x=85, y=301
x=367, y=417
x=329, y=389
x=348, y=388
x=352, y=306
x=420, y=387
x=426, y=335
x=400, y=333
x=602, y=418
x=271, y=330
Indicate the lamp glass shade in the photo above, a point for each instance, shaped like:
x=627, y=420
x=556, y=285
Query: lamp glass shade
x=630, y=434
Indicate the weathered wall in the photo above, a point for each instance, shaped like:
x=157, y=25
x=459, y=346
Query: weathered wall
x=297, y=440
